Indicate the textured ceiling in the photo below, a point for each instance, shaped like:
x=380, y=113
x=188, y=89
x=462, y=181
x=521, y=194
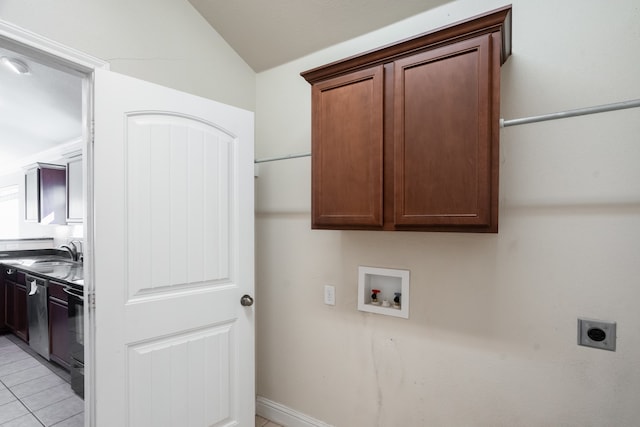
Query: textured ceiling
x=270, y=33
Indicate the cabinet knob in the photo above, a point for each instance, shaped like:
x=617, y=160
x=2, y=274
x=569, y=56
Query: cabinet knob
x=246, y=301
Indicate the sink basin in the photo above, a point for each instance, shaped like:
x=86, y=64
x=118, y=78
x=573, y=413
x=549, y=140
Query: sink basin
x=55, y=262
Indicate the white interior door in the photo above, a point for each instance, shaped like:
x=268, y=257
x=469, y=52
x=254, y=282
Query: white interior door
x=173, y=256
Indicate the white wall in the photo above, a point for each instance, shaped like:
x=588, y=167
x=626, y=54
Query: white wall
x=491, y=339
x=162, y=41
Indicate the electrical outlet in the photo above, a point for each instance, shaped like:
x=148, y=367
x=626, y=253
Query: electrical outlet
x=329, y=295
x=597, y=334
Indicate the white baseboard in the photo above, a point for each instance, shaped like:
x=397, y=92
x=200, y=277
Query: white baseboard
x=285, y=416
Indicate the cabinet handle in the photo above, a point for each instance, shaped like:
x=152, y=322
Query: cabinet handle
x=11, y=271
x=33, y=287
x=71, y=292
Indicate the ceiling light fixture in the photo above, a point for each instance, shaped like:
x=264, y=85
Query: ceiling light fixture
x=15, y=65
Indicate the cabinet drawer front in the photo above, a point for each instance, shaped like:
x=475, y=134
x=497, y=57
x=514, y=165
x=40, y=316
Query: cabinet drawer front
x=20, y=278
x=443, y=136
x=56, y=291
x=347, y=150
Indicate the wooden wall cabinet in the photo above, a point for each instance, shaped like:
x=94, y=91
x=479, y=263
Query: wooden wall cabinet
x=45, y=194
x=406, y=137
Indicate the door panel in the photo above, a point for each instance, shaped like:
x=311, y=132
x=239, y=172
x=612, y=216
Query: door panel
x=173, y=239
x=192, y=377
x=178, y=177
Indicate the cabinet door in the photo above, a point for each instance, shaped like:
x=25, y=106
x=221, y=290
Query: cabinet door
x=74, y=190
x=59, y=332
x=9, y=291
x=3, y=315
x=21, y=321
x=53, y=195
x=45, y=194
x=443, y=142
x=347, y=151
x=32, y=195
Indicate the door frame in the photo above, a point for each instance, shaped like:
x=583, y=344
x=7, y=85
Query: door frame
x=57, y=55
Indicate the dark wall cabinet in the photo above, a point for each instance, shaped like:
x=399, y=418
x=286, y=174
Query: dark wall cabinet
x=58, y=325
x=406, y=137
x=75, y=201
x=45, y=194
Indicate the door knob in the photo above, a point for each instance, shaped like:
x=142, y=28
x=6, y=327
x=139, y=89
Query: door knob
x=246, y=301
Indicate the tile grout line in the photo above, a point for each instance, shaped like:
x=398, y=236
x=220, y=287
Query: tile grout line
x=22, y=403
x=33, y=414
x=29, y=411
x=29, y=356
x=25, y=347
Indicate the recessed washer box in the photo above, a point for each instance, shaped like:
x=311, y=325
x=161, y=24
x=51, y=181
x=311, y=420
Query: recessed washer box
x=389, y=282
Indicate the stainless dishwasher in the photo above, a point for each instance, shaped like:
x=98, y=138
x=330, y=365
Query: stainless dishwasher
x=38, y=315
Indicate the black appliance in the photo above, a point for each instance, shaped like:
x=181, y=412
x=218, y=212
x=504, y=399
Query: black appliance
x=76, y=337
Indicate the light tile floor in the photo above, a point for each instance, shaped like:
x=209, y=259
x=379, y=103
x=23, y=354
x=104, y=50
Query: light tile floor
x=263, y=422
x=34, y=393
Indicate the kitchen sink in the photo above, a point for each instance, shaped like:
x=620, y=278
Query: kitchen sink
x=55, y=262
x=11, y=262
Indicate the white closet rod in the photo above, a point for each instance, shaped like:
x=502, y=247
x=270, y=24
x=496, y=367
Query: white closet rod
x=572, y=113
x=515, y=122
x=273, y=159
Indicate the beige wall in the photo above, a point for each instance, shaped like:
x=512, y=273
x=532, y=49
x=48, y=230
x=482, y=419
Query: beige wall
x=162, y=41
x=491, y=339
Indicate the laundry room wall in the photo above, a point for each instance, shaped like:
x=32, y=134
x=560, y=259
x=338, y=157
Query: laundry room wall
x=162, y=41
x=491, y=334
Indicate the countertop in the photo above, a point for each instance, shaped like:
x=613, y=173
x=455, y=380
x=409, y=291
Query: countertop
x=51, y=264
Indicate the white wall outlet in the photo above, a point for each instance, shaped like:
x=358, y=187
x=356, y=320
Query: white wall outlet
x=329, y=295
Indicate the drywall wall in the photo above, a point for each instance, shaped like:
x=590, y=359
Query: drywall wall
x=162, y=41
x=491, y=338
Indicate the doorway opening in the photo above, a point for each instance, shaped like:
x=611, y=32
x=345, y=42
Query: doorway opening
x=50, y=122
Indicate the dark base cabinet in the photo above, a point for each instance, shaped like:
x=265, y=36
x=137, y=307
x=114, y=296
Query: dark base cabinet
x=61, y=327
x=58, y=326
x=15, y=303
x=22, y=321
x=3, y=304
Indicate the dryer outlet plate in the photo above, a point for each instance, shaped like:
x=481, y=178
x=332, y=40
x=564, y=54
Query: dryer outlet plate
x=597, y=334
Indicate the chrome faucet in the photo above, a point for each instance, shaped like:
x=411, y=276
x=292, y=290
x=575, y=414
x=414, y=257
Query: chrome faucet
x=79, y=249
x=72, y=249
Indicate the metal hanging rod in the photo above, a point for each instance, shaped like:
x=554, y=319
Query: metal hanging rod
x=290, y=156
x=571, y=113
x=634, y=103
